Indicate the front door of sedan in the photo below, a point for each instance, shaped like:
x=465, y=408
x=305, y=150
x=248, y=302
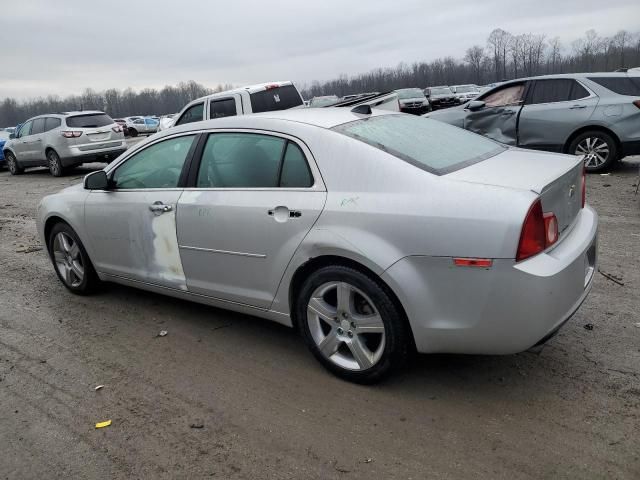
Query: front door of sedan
x=21, y=144
x=553, y=110
x=132, y=226
x=254, y=199
x=498, y=119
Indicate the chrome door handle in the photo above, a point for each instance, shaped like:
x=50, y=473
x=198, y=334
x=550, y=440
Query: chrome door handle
x=575, y=107
x=159, y=207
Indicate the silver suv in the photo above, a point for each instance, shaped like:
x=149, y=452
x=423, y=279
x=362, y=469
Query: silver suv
x=592, y=114
x=64, y=140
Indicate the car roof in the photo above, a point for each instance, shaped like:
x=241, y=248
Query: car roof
x=577, y=76
x=319, y=117
x=258, y=87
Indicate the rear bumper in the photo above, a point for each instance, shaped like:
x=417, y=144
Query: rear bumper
x=505, y=309
x=76, y=157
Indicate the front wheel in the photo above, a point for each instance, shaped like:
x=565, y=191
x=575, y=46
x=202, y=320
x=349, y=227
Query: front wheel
x=600, y=150
x=133, y=132
x=12, y=164
x=351, y=324
x=71, y=261
x=55, y=164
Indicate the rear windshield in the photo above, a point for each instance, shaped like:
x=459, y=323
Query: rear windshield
x=93, y=120
x=620, y=85
x=280, y=98
x=428, y=144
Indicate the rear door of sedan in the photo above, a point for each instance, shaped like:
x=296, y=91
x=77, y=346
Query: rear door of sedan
x=553, y=110
x=252, y=197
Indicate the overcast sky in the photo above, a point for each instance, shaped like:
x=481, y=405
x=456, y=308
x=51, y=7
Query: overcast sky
x=62, y=47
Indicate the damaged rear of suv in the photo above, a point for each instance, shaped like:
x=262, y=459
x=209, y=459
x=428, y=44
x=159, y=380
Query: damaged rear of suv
x=64, y=140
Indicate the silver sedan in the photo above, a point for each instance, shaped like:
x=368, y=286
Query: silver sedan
x=375, y=234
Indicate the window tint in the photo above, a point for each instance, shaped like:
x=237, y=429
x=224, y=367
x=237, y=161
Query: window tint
x=279, y=98
x=151, y=121
x=138, y=121
x=428, y=144
x=578, y=91
x=240, y=160
x=157, y=166
x=295, y=170
x=52, y=123
x=511, y=95
x=192, y=114
x=223, y=108
x=25, y=129
x=549, y=91
x=620, y=85
x=38, y=126
x=93, y=120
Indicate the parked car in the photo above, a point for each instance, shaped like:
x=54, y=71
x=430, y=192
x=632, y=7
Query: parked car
x=166, y=121
x=440, y=97
x=142, y=125
x=64, y=140
x=591, y=114
x=4, y=136
x=366, y=101
x=464, y=93
x=123, y=123
x=265, y=97
x=413, y=100
x=363, y=231
x=323, y=101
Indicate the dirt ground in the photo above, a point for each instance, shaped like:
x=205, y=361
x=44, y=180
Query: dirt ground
x=225, y=395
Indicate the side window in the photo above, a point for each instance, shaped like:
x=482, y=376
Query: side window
x=550, y=91
x=139, y=121
x=295, y=170
x=192, y=114
x=25, y=130
x=157, y=166
x=51, y=123
x=240, y=160
x=38, y=126
x=223, y=108
x=510, y=95
x=578, y=91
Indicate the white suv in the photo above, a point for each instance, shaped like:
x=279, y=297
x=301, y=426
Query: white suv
x=64, y=140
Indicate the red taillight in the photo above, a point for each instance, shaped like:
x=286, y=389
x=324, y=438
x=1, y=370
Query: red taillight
x=271, y=87
x=584, y=186
x=117, y=128
x=637, y=103
x=71, y=133
x=539, y=231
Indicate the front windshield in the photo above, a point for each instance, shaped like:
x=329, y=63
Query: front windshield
x=410, y=93
x=441, y=91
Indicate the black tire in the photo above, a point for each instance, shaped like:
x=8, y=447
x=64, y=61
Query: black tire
x=12, y=164
x=133, y=132
x=593, y=162
x=90, y=281
x=397, y=343
x=55, y=164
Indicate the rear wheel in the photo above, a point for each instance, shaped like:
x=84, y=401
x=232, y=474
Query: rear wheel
x=351, y=324
x=71, y=261
x=133, y=132
x=12, y=164
x=55, y=164
x=599, y=149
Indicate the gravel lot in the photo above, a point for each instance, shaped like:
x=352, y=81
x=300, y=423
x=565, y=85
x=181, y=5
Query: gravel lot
x=231, y=396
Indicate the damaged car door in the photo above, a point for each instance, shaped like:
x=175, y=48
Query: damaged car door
x=251, y=200
x=132, y=224
x=498, y=117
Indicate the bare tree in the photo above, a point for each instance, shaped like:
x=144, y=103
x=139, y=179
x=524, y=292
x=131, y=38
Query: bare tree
x=554, y=53
x=475, y=57
x=498, y=43
x=620, y=41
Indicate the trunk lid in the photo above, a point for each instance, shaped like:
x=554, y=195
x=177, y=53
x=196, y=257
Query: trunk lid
x=556, y=178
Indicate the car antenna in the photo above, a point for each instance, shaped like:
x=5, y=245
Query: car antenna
x=362, y=110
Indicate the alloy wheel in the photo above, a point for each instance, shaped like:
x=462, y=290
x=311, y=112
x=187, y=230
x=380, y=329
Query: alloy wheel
x=54, y=164
x=68, y=260
x=595, y=150
x=11, y=162
x=346, y=326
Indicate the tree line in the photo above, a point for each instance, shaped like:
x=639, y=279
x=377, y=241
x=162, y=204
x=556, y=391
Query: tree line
x=504, y=56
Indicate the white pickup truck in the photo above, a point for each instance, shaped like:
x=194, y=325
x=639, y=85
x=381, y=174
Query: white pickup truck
x=265, y=97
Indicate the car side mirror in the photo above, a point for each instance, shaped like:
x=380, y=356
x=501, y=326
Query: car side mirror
x=12, y=136
x=97, y=181
x=475, y=105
